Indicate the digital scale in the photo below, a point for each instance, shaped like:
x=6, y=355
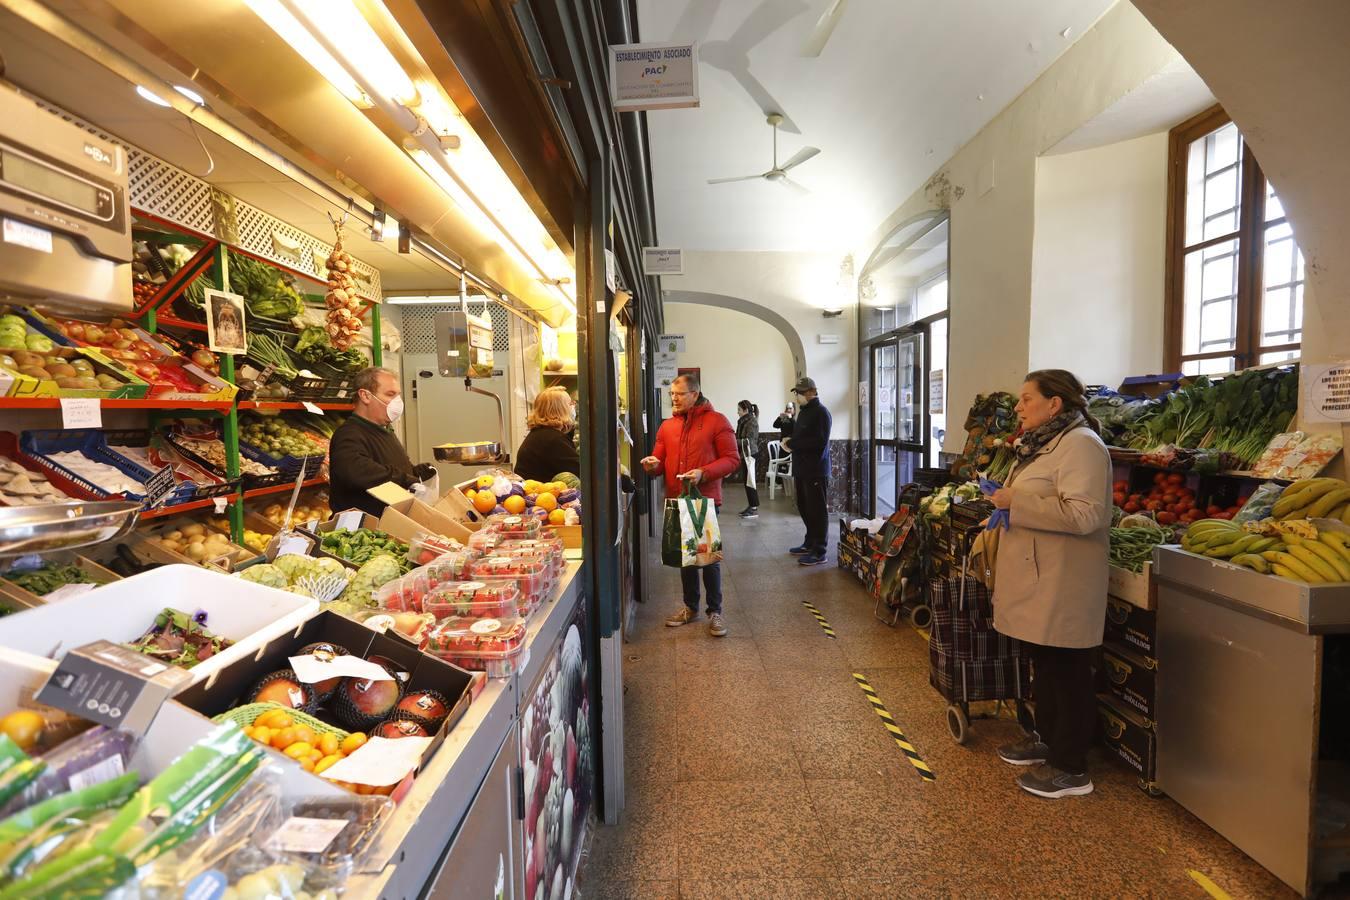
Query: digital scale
x=65, y=225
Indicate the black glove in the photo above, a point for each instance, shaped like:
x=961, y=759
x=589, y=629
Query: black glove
x=424, y=471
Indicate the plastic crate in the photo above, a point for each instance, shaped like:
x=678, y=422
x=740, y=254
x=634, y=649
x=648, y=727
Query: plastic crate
x=337, y=390
x=88, y=441
x=9, y=448
x=285, y=464
x=183, y=492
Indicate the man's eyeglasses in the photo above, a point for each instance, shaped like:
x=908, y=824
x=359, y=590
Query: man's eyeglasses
x=680, y=393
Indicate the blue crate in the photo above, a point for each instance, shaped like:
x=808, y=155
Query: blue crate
x=88, y=441
x=289, y=465
x=183, y=492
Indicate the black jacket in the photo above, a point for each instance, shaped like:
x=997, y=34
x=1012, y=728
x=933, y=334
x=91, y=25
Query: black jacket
x=360, y=456
x=747, y=434
x=784, y=423
x=545, y=452
x=811, y=441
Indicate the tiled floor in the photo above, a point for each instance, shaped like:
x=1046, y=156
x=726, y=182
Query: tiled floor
x=757, y=769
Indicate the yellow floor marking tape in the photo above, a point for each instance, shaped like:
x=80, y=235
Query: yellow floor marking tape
x=825, y=626
x=1210, y=887
x=905, y=746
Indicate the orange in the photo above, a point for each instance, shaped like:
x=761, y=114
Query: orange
x=485, y=501
x=531, y=486
x=327, y=762
x=275, y=718
x=329, y=744
x=557, y=517
x=24, y=728
x=298, y=750
x=515, y=504
x=307, y=764
x=262, y=734
x=353, y=742
x=546, y=501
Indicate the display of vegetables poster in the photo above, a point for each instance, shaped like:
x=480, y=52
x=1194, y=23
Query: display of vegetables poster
x=559, y=768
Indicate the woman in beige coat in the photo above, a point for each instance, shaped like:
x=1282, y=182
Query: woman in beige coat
x=1050, y=587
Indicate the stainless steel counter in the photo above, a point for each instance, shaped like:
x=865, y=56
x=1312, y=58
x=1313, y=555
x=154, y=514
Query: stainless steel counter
x=416, y=837
x=1239, y=703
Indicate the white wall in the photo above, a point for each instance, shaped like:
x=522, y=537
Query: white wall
x=741, y=358
x=990, y=188
x=1098, y=258
x=796, y=286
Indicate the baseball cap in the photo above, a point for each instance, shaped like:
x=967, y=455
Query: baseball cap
x=803, y=384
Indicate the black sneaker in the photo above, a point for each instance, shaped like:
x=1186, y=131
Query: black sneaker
x=1029, y=751
x=750, y=512
x=814, y=558
x=798, y=551
x=1051, y=783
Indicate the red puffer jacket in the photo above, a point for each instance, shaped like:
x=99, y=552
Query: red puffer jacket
x=700, y=439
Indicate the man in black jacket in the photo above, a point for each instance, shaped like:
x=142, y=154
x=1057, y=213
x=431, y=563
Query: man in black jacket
x=810, y=446
x=365, y=452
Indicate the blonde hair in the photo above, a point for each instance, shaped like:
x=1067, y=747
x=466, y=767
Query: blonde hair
x=552, y=409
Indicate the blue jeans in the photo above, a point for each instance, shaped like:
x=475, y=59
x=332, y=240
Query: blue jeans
x=712, y=582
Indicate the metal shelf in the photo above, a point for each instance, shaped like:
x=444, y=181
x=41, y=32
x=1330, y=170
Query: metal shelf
x=145, y=403
x=165, y=511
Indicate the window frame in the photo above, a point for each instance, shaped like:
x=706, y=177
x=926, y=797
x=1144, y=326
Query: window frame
x=1250, y=236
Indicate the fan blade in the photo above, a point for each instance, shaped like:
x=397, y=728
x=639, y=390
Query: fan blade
x=820, y=35
x=800, y=157
x=763, y=21
x=793, y=185
x=695, y=21
x=730, y=180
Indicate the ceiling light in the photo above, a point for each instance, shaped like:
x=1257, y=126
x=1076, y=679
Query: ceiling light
x=190, y=94
x=1065, y=33
x=357, y=44
x=147, y=94
x=289, y=28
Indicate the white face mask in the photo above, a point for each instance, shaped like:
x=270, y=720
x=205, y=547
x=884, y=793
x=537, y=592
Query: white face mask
x=394, y=408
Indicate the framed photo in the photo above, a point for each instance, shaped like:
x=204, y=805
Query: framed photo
x=225, y=322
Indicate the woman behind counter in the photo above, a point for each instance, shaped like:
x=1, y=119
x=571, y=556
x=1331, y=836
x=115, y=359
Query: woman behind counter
x=1050, y=583
x=548, y=448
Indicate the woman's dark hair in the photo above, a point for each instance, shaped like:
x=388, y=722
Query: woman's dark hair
x=746, y=404
x=1066, y=386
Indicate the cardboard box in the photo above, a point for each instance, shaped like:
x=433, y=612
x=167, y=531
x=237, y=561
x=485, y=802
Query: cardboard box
x=132, y=388
x=230, y=687
x=1128, y=624
x=1133, y=679
x=457, y=506
x=1127, y=738
x=570, y=534
x=1151, y=385
x=347, y=520
x=21, y=598
x=407, y=519
x=1137, y=590
x=246, y=613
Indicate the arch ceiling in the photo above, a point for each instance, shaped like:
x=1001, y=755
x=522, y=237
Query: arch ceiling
x=899, y=87
x=763, y=313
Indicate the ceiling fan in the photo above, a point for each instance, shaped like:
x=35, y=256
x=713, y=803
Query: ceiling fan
x=825, y=25
x=778, y=173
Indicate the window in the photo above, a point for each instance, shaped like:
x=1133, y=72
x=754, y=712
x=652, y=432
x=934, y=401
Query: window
x=1235, y=272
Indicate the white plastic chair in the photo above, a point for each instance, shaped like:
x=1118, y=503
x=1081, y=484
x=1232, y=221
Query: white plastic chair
x=778, y=469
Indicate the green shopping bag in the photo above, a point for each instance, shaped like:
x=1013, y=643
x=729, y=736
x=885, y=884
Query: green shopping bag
x=690, y=535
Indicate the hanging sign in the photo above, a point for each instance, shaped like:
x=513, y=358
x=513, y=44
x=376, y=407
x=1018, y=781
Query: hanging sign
x=667, y=367
x=669, y=343
x=225, y=322
x=662, y=261
x=159, y=486
x=1326, y=392
x=653, y=76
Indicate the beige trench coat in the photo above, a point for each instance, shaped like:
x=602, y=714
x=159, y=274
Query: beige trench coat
x=1050, y=586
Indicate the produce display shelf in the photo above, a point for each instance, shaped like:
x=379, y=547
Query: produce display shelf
x=177, y=508
x=266, y=404
x=279, y=488
x=147, y=403
x=175, y=322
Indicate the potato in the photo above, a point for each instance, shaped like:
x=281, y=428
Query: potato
x=196, y=539
x=195, y=552
x=194, y=528
x=174, y=535
x=175, y=546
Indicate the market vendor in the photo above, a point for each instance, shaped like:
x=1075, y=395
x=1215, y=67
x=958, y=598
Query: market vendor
x=548, y=449
x=365, y=452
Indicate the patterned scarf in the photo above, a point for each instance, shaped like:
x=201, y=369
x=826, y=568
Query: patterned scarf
x=1029, y=443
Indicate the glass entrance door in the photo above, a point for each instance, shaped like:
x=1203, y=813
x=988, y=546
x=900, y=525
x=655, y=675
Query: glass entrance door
x=898, y=441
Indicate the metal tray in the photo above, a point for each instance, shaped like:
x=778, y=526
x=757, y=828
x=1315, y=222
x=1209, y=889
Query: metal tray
x=476, y=452
x=56, y=526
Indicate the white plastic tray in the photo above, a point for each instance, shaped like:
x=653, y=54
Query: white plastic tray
x=246, y=613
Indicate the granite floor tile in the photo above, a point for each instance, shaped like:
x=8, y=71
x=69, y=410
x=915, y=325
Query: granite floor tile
x=821, y=697
x=800, y=652
x=764, y=889
x=730, y=653
x=627, y=889
x=775, y=850
x=735, y=750
x=637, y=849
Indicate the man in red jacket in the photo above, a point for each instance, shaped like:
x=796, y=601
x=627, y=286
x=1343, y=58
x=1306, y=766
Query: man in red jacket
x=695, y=444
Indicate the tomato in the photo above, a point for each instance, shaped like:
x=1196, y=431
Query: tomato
x=1185, y=504
x=1223, y=515
x=1167, y=518
x=1169, y=498
x=1212, y=511
x=1135, y=498
x=1160, y=478
x=1131, y=507
x=1153, y=505
x=1176, y=478
x=1122, y=487
x=1118, y=498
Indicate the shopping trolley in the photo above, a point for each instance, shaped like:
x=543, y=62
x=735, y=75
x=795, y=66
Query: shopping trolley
x=900, y=564
x=969, y=661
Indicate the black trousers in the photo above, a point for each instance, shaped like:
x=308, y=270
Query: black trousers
x=812, y=505
x=1063, y=680
x=752, y=496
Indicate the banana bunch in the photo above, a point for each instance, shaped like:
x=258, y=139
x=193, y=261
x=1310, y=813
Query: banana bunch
x=1222, y=539
x=1320, y=560
x=1314, y=498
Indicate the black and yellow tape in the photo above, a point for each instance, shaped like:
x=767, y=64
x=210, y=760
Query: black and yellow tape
x=825, y=626
x=905, y=746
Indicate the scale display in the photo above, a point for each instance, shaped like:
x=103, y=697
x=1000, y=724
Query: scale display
x=31, y=176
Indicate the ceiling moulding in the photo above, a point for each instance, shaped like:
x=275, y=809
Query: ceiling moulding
x=288, y=99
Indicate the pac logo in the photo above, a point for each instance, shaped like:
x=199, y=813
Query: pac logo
x=98, y=154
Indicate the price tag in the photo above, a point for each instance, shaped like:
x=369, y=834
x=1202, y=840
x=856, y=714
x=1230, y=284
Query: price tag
x=98, y=773
x=379, y=761
x=159, y=486
x=293, y=545
x=268, y=371
x=314, y=668
x=220, y=503
x=301, y=834
x=111, y=685
x=311, y=524
x=81, y=412
x=349, y=520
x=310, y=407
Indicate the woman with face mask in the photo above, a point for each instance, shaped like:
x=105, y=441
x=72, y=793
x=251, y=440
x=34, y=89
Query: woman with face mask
x=365, y=451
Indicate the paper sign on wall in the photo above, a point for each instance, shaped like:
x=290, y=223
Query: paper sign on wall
x=669, y=343
x=1326, y=392
x=662, y=261
x=653, y=76
x=667, y=366
x=937, y=392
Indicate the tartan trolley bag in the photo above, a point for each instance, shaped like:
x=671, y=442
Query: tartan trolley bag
x=968, y=660
x=898, y=560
